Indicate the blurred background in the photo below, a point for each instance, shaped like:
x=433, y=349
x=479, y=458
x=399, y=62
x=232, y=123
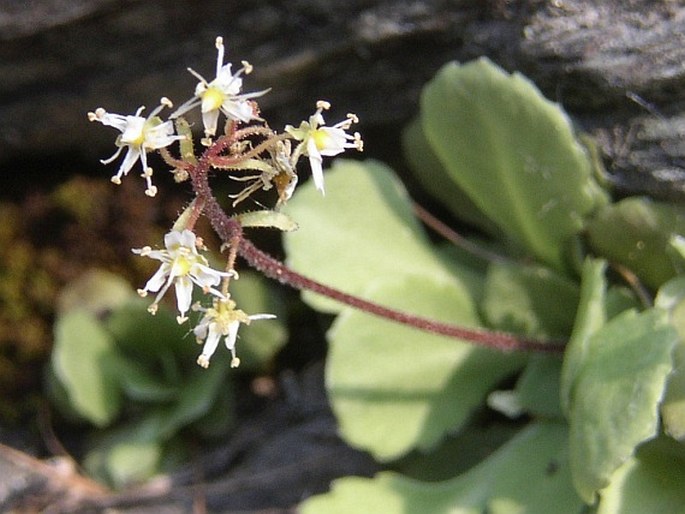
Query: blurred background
x=616, y=67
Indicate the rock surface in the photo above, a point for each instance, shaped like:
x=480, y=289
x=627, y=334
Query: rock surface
x=617, y=66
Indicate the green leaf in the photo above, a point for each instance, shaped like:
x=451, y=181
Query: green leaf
x=530, y=300
x=85, y=361
x=362, y=229
x=528, y=474
x=591, y=316
x=184, y=218
x=186, y=144
x=379, y=372
x=538, y=387
x=201, y=387
x=267, y=219
x=131, y=461
x=676, y=250
x=147, y=338
x=365, y=240
x=220, y=418
x=651, y=482
x=457, y=453
x=110, y=454
x=96, y=291
x=615, y=401
x=514, y=153
x=637, y=232
x=142, y=384
x=671, y=297
x=436, y=180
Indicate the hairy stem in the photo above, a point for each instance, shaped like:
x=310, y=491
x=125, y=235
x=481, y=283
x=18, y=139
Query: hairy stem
x=230, y=232
x=273, y=268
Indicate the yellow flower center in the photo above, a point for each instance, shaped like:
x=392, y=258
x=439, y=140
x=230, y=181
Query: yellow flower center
x=321, y=138
x=139, y=140
x=182, y=265
x=212, y=99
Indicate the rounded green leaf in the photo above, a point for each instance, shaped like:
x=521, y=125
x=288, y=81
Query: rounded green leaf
x=201, y=388
x=362, y=229
x=96, y=291
x=672, y=298
x=537, y=389
x=591, y=316
x=147, y=338
x=145, y=385
x=528, y=474
x=85, y=361
x=435, y=179
x=131, y=461
x=530, y=300
x=651, y=482
x=638, y=233
x=616, y=395
x=379, y=372
x=513, y=152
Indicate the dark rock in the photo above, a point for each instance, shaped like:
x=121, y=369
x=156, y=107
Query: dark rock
x=60, y=59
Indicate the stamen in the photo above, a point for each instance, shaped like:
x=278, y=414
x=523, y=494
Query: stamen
x=197, y=76
x=247, y=67
x=358, y=142
x=219, y=43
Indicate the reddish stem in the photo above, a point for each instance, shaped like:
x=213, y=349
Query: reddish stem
x=230, y=231
x=273, y=268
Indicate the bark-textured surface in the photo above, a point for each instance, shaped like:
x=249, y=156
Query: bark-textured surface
x=61, y=58
x=617, y=66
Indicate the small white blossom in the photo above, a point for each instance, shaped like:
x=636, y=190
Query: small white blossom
x=182, y=266
x=221, y=320
x=138, y=136
x=278, y=170
x=221, y=95
x=319, y=140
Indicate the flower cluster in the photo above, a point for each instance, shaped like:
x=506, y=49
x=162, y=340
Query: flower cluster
x=251, y=154
x=223, y=95
x=221, y=320
x=182, y=266
x=138, y=135
x=319, y=140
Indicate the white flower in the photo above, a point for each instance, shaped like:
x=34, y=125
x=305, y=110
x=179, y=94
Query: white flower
x=221, y=320
x=278, y=170
x=182, y=266
x=319, y=140
x=221, y=95
x=138, y=135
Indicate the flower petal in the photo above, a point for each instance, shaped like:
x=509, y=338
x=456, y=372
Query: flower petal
x=184, y=294
x=158, y=279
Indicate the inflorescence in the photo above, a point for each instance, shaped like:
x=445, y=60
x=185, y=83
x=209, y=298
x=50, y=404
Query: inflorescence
x=250, y=153
x=253, y=155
